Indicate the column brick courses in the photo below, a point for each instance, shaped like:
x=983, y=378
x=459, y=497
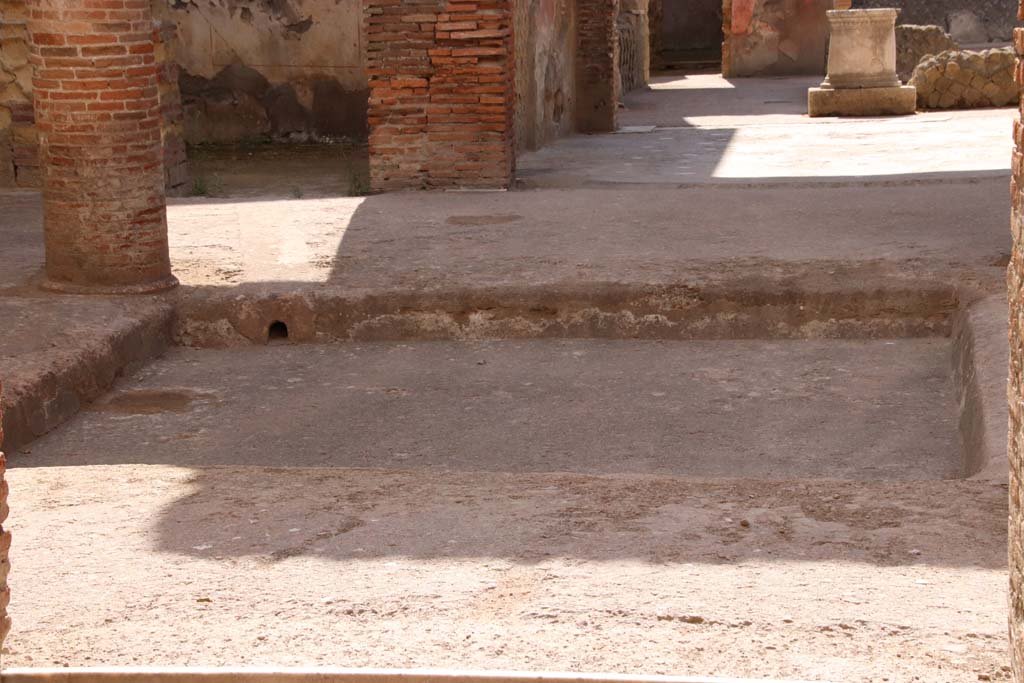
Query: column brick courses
x=97, y=106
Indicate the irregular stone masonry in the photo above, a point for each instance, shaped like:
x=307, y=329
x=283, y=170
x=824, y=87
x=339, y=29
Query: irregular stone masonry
x=172, y=126
x=441, y=93
x=633, y=40
x=97, y=105
x=19, y=154
x=597, y=64
x=965, y=79
x=914, y=43
x=1015, y=394
x=5, y=542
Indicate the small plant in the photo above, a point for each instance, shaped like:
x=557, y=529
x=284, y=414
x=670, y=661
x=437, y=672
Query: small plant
x=200, y=187
x=357, y=185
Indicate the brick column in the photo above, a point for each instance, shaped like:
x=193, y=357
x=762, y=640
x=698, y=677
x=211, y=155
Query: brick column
x=441, y=93
x=1015, y=285
x=5, y=542
x=597, y=63
x=98, y=114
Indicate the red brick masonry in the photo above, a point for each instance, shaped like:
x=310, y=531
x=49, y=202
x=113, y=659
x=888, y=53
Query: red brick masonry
x=597, y=64
x=1015, y=283
x=97, y=110
x=5, y=543
x=441, y=93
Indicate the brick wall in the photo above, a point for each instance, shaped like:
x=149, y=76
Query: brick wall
x=1015, y=284
x=97, y=106
x=19, y=155
x=5, y=543
x=597, y=66
x=441, y=93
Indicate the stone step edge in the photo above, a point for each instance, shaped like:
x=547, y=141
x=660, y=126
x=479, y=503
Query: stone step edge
x=334, y=675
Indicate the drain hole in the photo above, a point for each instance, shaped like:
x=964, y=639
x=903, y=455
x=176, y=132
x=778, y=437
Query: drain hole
x=277, y=332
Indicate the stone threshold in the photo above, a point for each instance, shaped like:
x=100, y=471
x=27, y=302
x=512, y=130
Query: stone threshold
x=334, y=675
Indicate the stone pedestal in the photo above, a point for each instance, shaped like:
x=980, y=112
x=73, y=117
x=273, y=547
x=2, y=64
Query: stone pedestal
x=862, y=78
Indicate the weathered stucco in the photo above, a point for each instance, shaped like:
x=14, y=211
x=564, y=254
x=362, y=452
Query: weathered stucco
x=775, y=37
x=288, y=69
x=545, y=40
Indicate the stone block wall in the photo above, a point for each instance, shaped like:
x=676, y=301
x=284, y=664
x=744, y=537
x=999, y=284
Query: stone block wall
x=5, y=542
x=19, y=155
x=775, y=37
x=597, y=66
x=966, y=79
x=441, y=93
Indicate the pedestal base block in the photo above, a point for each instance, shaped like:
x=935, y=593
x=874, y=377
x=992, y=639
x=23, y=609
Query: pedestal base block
x=896, y=100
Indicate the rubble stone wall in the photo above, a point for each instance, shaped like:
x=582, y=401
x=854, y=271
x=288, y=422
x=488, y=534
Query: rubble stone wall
x=914, y=43
x=967, y=79
x=634, y=43
x=19, y=147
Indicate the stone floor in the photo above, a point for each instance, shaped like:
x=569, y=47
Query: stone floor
x=724, y=497
x=703, y=129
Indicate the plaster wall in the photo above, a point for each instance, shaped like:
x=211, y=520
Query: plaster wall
x=545, y=83
x=775, y=37
x=278, y=68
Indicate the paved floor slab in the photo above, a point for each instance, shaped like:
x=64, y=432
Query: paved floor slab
x=703, y=129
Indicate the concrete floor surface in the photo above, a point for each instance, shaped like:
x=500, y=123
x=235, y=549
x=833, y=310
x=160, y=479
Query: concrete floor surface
x=772, y=410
